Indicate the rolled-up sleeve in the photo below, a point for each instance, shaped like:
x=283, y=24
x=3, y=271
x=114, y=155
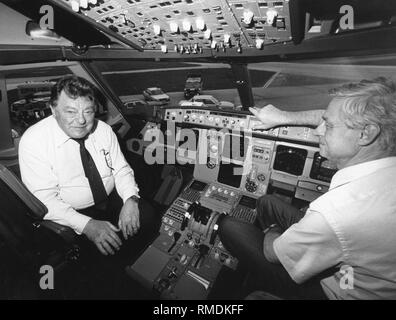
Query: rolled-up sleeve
x=308, y=247
x=40, y=180
x=123, y=174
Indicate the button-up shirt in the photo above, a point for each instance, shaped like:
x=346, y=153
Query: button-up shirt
x=352, y=226
x=52, y=170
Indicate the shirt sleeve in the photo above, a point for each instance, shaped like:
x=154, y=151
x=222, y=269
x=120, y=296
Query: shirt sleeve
x=38, y=177
x=308, y=247
x=123, y=174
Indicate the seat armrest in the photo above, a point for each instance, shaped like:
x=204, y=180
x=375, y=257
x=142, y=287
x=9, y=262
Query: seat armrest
x=66, y=233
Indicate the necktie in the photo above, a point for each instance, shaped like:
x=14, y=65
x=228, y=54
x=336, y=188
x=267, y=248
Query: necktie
x=93, y=176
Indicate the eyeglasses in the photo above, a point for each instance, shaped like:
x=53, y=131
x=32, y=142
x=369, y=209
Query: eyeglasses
x=107, y=159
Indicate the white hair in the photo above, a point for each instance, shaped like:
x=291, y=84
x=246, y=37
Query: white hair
x=371, y=102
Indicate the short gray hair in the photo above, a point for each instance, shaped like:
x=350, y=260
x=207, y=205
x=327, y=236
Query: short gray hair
x=371, y=102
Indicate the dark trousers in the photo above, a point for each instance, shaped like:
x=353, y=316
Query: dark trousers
x=245, y=242
x=105, y=276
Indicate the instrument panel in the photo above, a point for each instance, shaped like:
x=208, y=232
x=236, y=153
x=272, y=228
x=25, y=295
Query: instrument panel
x=191, y=26
x=233, y=167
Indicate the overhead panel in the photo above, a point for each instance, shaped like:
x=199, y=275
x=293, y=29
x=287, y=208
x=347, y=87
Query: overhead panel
x=192, y=25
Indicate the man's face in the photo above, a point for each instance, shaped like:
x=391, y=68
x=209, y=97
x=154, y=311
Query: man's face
x=76, y=117
x=338, y=142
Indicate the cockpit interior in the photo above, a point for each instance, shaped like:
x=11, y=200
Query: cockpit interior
x=175, y=80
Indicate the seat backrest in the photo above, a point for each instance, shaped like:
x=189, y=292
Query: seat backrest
x=36, y=209
x=18, y=211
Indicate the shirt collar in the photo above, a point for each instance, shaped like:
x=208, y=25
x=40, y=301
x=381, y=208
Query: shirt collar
x=357, y=171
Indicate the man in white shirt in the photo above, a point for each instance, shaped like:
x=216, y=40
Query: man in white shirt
x=52, y=167
x=344, y=247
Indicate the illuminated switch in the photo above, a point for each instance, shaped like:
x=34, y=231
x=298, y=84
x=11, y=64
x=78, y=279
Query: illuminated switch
x=84, y=4
x=183, y=259
x=75, y=5
x=280, y=23
x=271, y=16
x=214, y=149
x=200, y=23
x=186, y=25
x=174, y=28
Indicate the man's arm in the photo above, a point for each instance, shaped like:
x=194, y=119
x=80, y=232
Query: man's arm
x=271, y=116
x=308, y=247
x=129, y=220
x=123, y=174
x=38, y=177
x=268, y=246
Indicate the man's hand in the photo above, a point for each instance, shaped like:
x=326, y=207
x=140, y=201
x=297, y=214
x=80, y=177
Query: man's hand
x=129, y=221
x=104, y=235
x=269, y=115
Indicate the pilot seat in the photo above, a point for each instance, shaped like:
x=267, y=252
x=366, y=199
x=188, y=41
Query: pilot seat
x=29, y=245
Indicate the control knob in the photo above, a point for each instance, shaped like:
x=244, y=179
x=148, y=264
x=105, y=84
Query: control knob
x=251, y=186
x=261, y=177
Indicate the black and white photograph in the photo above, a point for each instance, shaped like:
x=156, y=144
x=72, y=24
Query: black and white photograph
x=197, y=154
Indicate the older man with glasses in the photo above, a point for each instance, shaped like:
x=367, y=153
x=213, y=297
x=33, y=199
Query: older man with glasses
x=344, y=246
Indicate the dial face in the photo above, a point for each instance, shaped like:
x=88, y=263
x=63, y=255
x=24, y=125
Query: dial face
x=250, y=186
x=290, y=159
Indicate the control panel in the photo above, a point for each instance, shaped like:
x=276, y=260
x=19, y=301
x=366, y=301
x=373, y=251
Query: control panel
x=237, y=121
x=186, y=258
x=232, y=169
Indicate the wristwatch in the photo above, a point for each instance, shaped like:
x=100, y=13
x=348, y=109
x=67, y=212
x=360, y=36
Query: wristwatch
x=274, y=225
x=135, y=198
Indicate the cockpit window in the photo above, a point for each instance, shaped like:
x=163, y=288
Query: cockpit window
x=28, y=93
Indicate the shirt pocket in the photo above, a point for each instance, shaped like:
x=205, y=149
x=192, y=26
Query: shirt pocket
x=104, y=163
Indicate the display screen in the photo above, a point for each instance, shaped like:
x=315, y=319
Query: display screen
x=322, y=169
x=248, y=202
x=198, y=185
x=187, y=140
x=230, y=174
x=235, y=147
x=290, y=159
